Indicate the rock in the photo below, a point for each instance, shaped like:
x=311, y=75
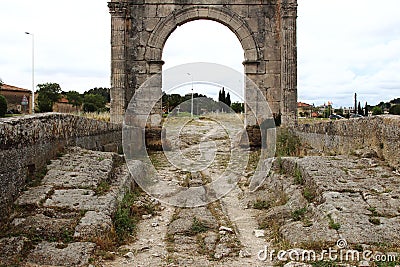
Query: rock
x=82, y=199
x=35, y=196
x=44, y=226
x=154, y=224
x=222, y=250
x=93, y=224
x=146, y=216
x=183, y=225
x=363, y=264
x=259, y=233
x=226, y=229
x=129, y=255
x=244, y=254
x=210, y=240
x=58, y=254
x=296, y=264
x=10, y=249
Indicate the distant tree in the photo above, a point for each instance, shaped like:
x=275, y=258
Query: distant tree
x=395, y=101
x=360, y=110
x=222, y=96
x=228, y=100
x=377, y=110
x=105, y=92
x=395, y=110
x=1, y=83
x=237, y=107
x=3, y=106
x=48, y=94
x=75, y=98
x=366, y=109
x=339, y=111
x=93, y=103
x=355, y=103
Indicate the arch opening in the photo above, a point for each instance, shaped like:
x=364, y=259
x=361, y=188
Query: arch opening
x=203, y=41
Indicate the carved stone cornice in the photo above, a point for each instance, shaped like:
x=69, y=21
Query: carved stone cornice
x=118, y=9
x=289, y=10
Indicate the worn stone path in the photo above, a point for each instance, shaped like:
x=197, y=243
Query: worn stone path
x=218, y=234
x=305, y=203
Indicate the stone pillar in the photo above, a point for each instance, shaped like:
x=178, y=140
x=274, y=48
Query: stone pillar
x=118, y=11
x=289, y=63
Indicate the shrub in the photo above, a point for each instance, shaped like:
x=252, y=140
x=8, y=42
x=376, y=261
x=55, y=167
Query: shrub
x=3, y=106
x=395, y=110
x=124, y=221
x=377, y=111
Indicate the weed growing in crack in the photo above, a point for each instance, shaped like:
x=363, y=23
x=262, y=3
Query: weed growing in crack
x=102, y=188
x=261, y=204
x=287, y=143
x=198, y=227
x=124, y=220
x=298, y=176
x=332, y=224
x=298, y=214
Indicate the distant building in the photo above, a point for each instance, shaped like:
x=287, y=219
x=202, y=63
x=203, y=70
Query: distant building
x=349, y=110
x=63, y=106
x=304, y=109
x=18, y=99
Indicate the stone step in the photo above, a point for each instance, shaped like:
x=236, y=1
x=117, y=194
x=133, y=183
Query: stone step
x=356, y=199
x=58, y=221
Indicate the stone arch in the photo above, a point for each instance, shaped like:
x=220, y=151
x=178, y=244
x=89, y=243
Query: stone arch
x=222, y=15
x=265, y=29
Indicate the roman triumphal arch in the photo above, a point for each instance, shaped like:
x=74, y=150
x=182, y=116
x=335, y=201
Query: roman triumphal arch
x=266, y=30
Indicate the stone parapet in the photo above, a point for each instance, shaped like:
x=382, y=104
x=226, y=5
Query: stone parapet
x=379, y=134
x=27, y=143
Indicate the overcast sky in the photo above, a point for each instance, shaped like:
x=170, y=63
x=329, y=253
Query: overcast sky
x=344, y=46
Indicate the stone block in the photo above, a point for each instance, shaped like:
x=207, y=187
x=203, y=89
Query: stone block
x=10, y=249
x=58, y=254
x=273, y=67
x=93, y=225
x=164, y=10
x=34, y=196
x=150, y=24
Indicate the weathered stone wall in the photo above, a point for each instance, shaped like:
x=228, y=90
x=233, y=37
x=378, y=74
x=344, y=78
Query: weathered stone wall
x=28, y=143
x=378, y=133
x=265, y=29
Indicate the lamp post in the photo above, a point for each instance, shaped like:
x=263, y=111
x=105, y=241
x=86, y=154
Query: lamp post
x=191, y=107
x=33, y=71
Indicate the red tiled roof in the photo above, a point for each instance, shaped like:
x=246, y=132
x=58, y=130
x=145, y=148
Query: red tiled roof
x=8, y=87
x=301, y=104
x=63, y=100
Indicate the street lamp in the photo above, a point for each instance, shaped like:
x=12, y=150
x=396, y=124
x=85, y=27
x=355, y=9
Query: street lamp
x=33, y=71
x=191, y=107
